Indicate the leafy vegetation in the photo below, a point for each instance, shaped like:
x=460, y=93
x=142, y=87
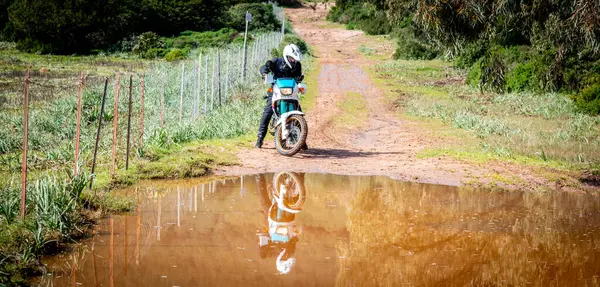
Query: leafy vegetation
x=57, y=214
x=543, y=127
x=84, y=26
x=528, y=45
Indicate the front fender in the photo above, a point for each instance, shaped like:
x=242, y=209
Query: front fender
x=284, y=117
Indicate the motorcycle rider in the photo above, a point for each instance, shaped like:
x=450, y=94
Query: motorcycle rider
x=287, y=67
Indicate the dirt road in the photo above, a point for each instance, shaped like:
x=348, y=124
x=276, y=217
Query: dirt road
x=385, y=145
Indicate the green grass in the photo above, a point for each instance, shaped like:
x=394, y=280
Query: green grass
x=367, y=51
x=526, y=128
x=58, y=213
x=354, y=113
x=309, y=99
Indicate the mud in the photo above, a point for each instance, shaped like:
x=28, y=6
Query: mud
x=351, y=231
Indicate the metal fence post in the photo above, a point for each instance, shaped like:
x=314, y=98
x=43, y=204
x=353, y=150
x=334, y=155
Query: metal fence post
x=181, y=90
x=219, y=75
x=98, y=132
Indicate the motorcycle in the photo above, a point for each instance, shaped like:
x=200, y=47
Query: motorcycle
x=288, y=124
x=287, y=198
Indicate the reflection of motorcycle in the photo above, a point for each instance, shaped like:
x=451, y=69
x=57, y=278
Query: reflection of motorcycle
x=281, y=203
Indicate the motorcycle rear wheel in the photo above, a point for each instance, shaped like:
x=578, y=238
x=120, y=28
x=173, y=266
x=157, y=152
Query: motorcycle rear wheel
x=297, y=133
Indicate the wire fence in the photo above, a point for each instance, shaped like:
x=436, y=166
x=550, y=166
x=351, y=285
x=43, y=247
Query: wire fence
x=111, y=118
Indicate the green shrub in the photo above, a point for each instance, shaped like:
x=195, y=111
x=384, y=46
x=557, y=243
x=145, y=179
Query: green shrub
x=291, y=39
x=175, y=54
x=520, y=78
x=588, y=99
x=334, y=14
x=148, y=45
x=376, y=25
x=411, y=48
x=192, y=40
x=474, y=74
x=493, y=72
x=351, y=25
x=262, y=17
x=470, y=54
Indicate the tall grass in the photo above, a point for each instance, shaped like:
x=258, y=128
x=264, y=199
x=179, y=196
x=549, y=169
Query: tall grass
x=544, y=126
x=55, y=215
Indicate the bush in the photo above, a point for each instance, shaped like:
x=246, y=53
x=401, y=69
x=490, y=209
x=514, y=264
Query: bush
x=175, y=54
x=376, y=25
x=411, y=48
x=148, y=45
x=192, y=40
x=262, y=17
x=334, y=14
x=474, y=74
x=291, y=39
x=588, y=100
x=493, y=72
x=470, y=54
x=521, y=78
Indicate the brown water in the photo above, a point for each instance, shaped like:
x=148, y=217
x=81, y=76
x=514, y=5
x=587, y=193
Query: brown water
x=354, y=231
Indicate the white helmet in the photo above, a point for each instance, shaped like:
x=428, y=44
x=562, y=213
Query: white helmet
x=284, y=266
x=292, y=55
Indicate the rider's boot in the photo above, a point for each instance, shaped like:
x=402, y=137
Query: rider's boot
x=259, y=143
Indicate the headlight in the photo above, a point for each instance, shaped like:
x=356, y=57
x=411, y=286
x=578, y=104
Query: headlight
x=287, y=91
x=281, y=230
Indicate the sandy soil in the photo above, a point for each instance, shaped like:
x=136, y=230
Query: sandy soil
x=387, y=145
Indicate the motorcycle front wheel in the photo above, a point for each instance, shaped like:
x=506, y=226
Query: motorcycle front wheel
x=297, y=133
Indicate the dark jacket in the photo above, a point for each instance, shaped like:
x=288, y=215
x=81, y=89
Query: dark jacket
x=283, y=71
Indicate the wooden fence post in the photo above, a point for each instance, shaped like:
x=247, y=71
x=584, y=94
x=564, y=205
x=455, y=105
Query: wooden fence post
x=98, y=132
x=78, y=128
x=115, y=126
x=129, y=125
x=25, y=142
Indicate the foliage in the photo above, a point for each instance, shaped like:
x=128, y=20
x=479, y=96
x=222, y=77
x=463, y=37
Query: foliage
x=291, y=39
x=412, y=48
x=363, y=16
x=54, y=215
x=262, y=17
x=175, y=54
x=148, y=45
x=532, y=45
x=80, y=26
x=588, y=100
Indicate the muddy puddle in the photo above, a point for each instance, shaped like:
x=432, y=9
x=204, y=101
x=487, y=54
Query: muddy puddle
x=323, y=230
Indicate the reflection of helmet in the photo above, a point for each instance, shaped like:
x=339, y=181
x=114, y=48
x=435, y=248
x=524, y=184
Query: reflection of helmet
x=285, y=262
x=292, y=55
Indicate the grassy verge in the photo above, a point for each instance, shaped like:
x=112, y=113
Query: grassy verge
x=540, y=130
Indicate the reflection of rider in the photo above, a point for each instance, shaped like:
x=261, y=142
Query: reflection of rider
x=287, y=67
x=268, y=247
